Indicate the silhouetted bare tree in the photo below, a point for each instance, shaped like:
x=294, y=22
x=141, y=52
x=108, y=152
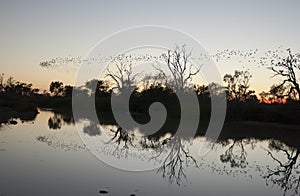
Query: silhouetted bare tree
x=287, y=69
x=179, y=64
x=122, y=74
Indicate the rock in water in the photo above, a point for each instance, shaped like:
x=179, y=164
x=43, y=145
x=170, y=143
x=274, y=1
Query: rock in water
x=13, y=122
x=103, y=192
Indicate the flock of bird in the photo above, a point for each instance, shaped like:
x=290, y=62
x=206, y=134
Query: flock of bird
x=249, y=57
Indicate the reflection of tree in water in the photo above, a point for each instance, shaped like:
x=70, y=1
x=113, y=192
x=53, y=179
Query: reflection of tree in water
x=175, y=154
x=171, y=152
x=120, y=143
x=54, y=122
x=92, y=129
x=287, y=173
x=235, y=155
x=233, y=161
x=121, y=135
x=57, y=120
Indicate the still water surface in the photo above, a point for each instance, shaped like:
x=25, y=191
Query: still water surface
x=46, y=156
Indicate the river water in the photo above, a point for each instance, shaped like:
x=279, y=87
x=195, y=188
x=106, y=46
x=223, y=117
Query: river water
x=47, y=156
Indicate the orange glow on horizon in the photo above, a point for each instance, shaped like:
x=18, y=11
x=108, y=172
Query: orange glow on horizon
x=267, y=101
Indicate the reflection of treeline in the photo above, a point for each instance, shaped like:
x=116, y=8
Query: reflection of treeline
x=174, y=154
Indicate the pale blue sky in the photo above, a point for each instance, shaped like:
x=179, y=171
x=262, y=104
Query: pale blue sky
x=33, y=31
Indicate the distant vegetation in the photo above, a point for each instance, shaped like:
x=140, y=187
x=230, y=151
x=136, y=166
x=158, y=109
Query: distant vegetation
x=279, y=104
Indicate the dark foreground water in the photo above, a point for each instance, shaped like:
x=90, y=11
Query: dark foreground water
x=47, y=157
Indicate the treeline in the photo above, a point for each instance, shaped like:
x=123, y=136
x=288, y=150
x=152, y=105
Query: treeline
x=242, y=102
x=17, y=95
x=16, y=100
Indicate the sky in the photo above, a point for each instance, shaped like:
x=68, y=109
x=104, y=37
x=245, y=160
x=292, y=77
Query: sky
x=35, y=31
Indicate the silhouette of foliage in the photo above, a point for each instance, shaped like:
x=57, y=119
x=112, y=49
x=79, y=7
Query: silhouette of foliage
x=67, y=92
x=238, y=85
x=56, y=88
x=98, y=87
